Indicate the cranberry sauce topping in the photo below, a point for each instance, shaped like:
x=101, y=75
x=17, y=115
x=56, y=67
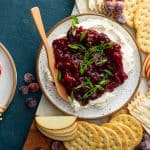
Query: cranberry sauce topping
x=89, y=64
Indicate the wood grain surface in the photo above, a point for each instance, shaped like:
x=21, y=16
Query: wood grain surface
x=35, y=139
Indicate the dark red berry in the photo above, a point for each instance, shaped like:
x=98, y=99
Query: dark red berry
x=119, y=6
x=57, y=145
x=33, y=87
x=24, y=90
x=29, y=78
x=39, y=148
x=120, y=18
x=31, y=102
x=109, y=6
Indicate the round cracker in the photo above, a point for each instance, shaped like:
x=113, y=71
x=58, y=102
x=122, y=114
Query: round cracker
x=142, y=14
x=132, y=123
x=129, y=11
x=87, y=138
x=121, y=111
x=119, y=131
x=59, y=138
x=114, y=139
x=131, y=140
x=103, y=143
x=143, y=37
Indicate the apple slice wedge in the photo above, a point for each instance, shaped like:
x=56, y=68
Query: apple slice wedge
x=55, y=122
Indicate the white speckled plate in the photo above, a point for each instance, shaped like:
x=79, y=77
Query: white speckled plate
x=8, y=78
x=123, y=93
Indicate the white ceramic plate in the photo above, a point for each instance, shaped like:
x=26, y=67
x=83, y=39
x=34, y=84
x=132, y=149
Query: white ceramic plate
x=8, y=78
x=124, y=92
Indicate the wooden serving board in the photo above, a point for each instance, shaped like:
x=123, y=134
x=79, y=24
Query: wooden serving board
x=36, y=139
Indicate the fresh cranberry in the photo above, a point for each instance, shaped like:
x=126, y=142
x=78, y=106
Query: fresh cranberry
x=33, y=87
x=24, y=90
x=29, y=78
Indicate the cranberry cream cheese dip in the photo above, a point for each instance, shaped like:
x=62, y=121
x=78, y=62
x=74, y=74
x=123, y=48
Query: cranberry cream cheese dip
x=106, y=89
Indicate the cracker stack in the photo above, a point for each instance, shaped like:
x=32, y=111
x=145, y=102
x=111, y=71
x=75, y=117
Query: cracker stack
x=123, y=132
x=140, y=108
x=62, y=128
x=137, y=13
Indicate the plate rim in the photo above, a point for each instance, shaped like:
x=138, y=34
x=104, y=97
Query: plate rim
x=10, y=58
x=51, y=30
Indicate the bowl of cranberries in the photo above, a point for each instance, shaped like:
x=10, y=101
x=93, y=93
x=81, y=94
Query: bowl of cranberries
x=93, y=66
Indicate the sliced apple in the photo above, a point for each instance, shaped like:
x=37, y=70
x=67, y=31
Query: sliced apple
x=62, y=131
x=55, y=122
x=60, y=138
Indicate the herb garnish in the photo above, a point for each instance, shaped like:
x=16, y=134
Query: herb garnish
x=75, y=21
x=92, y=88
x=102, y=61
x=108, y=72
x=84, y=67
x=95, y=49
x=96, y=87
x=77, y=46
x=59, y=77
x=100, y=48
x=83, y=35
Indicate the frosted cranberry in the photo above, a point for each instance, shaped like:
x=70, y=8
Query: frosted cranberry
x=31, y=102
x=24, y=90
x=109, y=6
x=120, y=18
x=33, y=87
x=29, y=78
x=119, y=6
